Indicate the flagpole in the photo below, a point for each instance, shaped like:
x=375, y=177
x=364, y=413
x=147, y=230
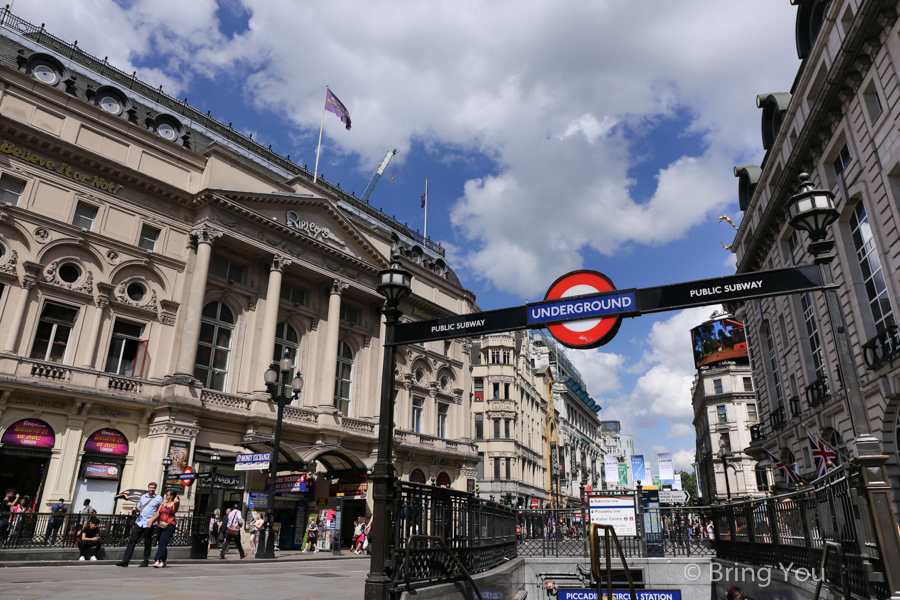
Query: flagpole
x=321, y=127
x=425, y=231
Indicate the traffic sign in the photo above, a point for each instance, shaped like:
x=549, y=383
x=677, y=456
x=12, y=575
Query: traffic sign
x=673, y=496
x=187, y=476
x=585, y=333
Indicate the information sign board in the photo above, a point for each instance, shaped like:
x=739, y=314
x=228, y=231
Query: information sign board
x=586, y=594
x=617, y=511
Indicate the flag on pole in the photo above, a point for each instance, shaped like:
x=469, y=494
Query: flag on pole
x=333, y=105
x=394, y=177
x=789, y=474
x=822, y=454
x=424, y=198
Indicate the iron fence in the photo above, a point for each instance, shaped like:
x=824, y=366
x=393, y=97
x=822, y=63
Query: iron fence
x=794, y=528
x=45, y=530
x=662, y=531
x=481, y=534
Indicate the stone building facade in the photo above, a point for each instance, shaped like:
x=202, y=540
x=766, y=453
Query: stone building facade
x=154, y=262
x=835, y=123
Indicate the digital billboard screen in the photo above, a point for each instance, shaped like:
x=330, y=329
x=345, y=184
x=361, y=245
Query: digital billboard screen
x=717, y=341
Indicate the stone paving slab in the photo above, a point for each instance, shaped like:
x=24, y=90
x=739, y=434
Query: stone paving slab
x=289, y=556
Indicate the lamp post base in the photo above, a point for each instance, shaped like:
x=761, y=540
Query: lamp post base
x=266, y=546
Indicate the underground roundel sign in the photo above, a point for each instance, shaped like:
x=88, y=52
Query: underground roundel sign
x=589, y=333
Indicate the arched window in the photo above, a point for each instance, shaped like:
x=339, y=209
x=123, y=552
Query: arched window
x=214, y=346
x=343, y=378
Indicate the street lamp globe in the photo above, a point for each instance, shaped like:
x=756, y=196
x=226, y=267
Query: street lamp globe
x=812, y=210
x=394, y=282
x=286, y=364
x=722, y=448
x=215, y=458
x=297, y=384
x=271, y=375
x=167, y=462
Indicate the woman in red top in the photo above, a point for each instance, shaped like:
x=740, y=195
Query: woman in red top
x=166, y=524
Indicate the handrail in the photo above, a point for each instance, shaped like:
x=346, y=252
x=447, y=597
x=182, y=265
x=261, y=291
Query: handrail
x=449, y=551
x=828, y=546
x=595, y=567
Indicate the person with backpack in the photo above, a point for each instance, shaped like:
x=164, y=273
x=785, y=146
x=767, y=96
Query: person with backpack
x=147, y=507
x=57, y=520
x=233, y=525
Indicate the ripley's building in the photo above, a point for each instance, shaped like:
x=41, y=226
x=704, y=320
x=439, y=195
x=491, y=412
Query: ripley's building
x=153, y=262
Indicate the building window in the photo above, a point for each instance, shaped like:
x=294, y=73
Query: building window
x=479, y=389
x=127, y=350
x=717, y=384
x=723, y=415
x=497, y=390
x=506, y=391
x=343, y=379
x=496, y=429
x=773, y=365
x=224, y=268
x=495, y=357
x=479, y=468
x=10, y=190
x=842, y=160
x=84, y=216
x=443, y=409
x=286, y=338
x=812, y=335
x=508, y=469
x=214, y=346
x=506, y=427
x=872, y=102
x=762, y=479
x=751, y=412
x=349, y=314
x=447, y=347
x=506, y=356
x=149, y=237
x=497, y=469
x=294, y=294
x=417, y=407
x=748, y=384
x=53, y=331
x=479, y=426
x=870, y=265
x=726, y=437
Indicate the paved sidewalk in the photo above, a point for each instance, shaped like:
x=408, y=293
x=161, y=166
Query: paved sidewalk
x=213, y=557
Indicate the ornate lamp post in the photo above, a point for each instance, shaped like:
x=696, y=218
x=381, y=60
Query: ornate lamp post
x=394, y=285
x=723, y=455
x=166, y=463
x=266, y=548
x=214, y=459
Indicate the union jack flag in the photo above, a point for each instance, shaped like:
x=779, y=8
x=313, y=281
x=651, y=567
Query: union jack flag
x=822, y=454
x=789, y=474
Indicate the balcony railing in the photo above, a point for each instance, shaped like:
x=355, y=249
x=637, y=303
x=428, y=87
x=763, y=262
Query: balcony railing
x=817, y=392
x=778, y=418
x=796, y=407
x=882, y=348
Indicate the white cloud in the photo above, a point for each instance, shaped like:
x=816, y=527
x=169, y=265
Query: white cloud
x=600, y=370
x=683, y=459
x=544, y=88
x=680, y=430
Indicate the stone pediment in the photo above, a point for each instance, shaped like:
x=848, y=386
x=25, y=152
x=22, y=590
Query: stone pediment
x=313, y=219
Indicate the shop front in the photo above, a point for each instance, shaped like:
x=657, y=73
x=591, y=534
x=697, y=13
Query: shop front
x=24, y=457
x=291, y=498
x=353, y=506
x=100, y=473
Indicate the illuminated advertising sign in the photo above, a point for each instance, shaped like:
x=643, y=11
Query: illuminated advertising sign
x=717, y=341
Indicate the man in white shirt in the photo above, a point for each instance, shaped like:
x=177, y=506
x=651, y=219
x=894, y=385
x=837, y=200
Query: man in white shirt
x=233, y=524
x=147, y=507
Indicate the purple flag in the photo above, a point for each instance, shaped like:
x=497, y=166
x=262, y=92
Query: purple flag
x=423, y=200
x=333, y=105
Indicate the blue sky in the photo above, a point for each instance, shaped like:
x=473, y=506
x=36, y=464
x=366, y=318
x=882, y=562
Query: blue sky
x=554, y=134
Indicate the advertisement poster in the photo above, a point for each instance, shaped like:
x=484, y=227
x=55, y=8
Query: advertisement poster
x=294, y=483
x=33, y=433
x=107, y=441
x=638, y=473
x=611, y=466
x=666, y=466
x=92, y=471
x=252, y=462
x=178, y=453
x=350, y=490
x=717, y=341
x=617, y=511
x=623, y=475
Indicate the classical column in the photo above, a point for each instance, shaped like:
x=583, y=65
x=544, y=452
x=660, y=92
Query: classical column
x=94, y=334
x=270, y=321
x=15, y=324
x=329, y=360
x=203, y=237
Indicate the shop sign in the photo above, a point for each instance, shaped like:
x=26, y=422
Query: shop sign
x=289, y=484
x=416, y=476
x=535, y=503
x=93, y=471
x=109, y=412
x=322, y=501
x=41, y=403
x=252, y=462
x=62, y=169
x=260, y=500
x=107, y=441
x=311, y=229
x=357, y=490
x=33, y=433
x=443, y=480
x=223, y=481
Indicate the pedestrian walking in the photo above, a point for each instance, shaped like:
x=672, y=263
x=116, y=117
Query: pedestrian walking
x=165, y=524
x=215, y=523
x=57, y=519
x=711, y=534
x=147, y=507
x=89, y=539
x=255, y=527
x=233, y=525
x=312, y=535
x=10, y=499
x=356, y=546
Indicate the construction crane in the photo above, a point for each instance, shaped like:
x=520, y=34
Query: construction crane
x=370, y=187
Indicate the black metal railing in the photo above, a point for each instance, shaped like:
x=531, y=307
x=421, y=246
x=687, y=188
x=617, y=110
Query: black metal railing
x=45, y=530
x=667, y=531
x=480, y=533
x=796, y=407
x=817, y=392
x=882, y=348
x=778, y=418
x=793, y=528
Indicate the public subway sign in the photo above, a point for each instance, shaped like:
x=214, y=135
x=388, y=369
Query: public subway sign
x=311, y=229
x=588, y=594
x=583, y=309
x=63, y=169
